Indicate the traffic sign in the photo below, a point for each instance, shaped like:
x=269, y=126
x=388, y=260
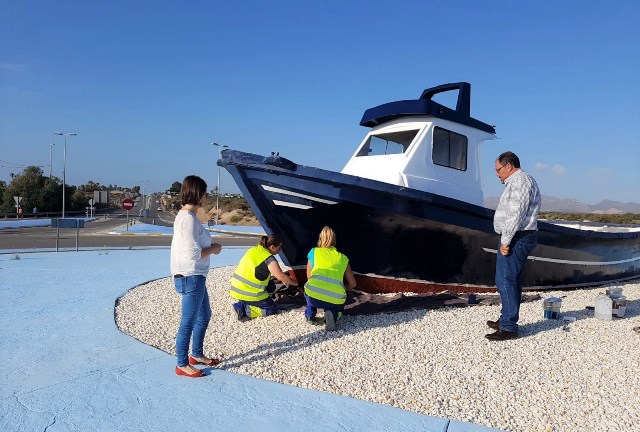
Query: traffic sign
x=127, y=204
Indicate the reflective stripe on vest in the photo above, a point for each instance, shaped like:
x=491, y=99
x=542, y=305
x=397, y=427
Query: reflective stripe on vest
x=244, y=285
x=327, y=274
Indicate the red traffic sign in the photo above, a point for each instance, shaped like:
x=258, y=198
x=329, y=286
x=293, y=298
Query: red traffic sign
x=127, y=204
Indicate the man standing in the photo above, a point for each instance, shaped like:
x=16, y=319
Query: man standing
x=516, y=222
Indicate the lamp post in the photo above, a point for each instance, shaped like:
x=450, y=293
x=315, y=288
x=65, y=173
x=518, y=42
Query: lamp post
x=64, y=165
x=144, y=201
x=50, y=159
x=220, y=147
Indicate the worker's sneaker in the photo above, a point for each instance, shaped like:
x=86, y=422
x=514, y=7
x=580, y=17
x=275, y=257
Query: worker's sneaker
x=330, y=321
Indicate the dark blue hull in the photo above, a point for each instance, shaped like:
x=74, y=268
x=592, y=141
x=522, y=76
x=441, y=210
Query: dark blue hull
x=398, y=233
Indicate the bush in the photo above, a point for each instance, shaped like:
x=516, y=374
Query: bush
x=621, y=218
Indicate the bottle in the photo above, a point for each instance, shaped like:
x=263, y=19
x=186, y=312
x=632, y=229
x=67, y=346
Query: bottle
x=604, y=307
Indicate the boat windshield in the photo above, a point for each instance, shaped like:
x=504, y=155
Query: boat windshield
x=388, y=143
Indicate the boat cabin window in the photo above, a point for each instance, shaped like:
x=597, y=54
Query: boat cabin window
x=388, y=143
x=449, y=149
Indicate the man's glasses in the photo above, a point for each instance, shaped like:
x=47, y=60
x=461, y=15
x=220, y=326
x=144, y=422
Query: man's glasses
x=500, y=169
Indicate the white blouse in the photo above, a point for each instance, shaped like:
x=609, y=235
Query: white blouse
x=189, y=238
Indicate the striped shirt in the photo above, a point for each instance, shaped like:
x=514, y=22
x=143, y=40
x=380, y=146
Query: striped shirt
x=518, y=207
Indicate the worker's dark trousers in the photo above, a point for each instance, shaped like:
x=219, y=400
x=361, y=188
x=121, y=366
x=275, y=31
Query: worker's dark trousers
x=314, y=304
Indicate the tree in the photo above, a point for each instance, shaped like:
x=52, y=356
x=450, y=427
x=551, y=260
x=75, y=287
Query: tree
x=52, y=195
x=30, y=185
x=91, y=186
x=3, y=186
x=80, y=199
x=176, y=187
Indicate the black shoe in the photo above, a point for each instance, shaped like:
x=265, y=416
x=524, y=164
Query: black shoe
x=242, y=317
x=494, y=324
x=330, y=321
x=315, y=321
x=501, y=335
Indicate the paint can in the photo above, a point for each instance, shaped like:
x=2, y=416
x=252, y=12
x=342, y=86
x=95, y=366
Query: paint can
x=614, y=291
x=472, y=299
x=604, y=307
x=551, y=307
x=618, y=305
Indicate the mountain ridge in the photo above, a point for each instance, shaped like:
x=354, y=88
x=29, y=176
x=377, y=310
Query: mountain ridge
x=569, y=205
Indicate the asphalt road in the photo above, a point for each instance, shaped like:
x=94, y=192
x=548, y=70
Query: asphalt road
x=96, y=234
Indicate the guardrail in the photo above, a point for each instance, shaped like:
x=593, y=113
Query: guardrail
x=55, y=215
x=50, y=215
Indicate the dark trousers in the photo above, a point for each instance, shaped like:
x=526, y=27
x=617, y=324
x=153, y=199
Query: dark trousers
x=314, y=304
x=509, y=273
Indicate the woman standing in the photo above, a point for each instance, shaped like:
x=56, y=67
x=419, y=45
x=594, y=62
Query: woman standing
x=190, y=250
x=250, y=281
x=329, y=276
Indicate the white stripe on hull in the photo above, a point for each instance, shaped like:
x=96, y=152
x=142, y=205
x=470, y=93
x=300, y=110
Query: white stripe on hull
x=296, y=194
x=290, y=204
x=559, y=261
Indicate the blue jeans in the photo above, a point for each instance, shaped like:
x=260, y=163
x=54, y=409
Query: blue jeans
x=196, y=313
x=314, y=304
x=509, y=272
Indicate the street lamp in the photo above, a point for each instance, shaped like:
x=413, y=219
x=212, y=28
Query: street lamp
x=64, y=165
x=50, y=160
x=220, y=147
x=144, y=203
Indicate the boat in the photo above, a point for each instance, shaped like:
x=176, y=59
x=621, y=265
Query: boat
x=408, y=208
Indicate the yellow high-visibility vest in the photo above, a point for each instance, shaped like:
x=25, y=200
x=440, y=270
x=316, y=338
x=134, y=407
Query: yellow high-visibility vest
x=326, y=282
x=244, y=285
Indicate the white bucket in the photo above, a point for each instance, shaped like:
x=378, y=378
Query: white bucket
x=604, y=307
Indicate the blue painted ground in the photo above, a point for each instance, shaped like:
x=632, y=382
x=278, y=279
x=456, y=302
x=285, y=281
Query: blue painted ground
x=66, y=366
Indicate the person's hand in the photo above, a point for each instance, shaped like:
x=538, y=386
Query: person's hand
x=504, y=249
x=216, y=248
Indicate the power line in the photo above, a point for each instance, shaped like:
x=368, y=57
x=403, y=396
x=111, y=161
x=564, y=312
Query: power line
x=15, y=165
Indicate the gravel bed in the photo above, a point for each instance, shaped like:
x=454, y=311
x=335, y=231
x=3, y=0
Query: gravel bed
x=435, y=362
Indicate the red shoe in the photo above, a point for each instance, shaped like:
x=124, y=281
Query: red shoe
x=213, y=362
x=197, y=374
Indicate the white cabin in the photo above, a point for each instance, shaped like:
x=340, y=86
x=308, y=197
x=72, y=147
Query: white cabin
x=427, y=153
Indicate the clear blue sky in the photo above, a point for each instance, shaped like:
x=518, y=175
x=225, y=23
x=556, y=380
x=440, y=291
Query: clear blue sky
x=148, y=85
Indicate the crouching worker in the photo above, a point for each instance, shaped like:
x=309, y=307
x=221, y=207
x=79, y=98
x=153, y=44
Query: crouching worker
x=329, y=276
x=250, y=282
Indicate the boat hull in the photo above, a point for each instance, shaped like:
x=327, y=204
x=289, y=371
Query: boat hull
x=399, y=239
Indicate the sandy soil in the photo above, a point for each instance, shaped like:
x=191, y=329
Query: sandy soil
x=234, y=217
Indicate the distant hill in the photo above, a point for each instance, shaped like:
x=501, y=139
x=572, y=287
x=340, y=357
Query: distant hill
x=553, y=204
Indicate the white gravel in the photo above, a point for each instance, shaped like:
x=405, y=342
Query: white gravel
x=435, y=362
